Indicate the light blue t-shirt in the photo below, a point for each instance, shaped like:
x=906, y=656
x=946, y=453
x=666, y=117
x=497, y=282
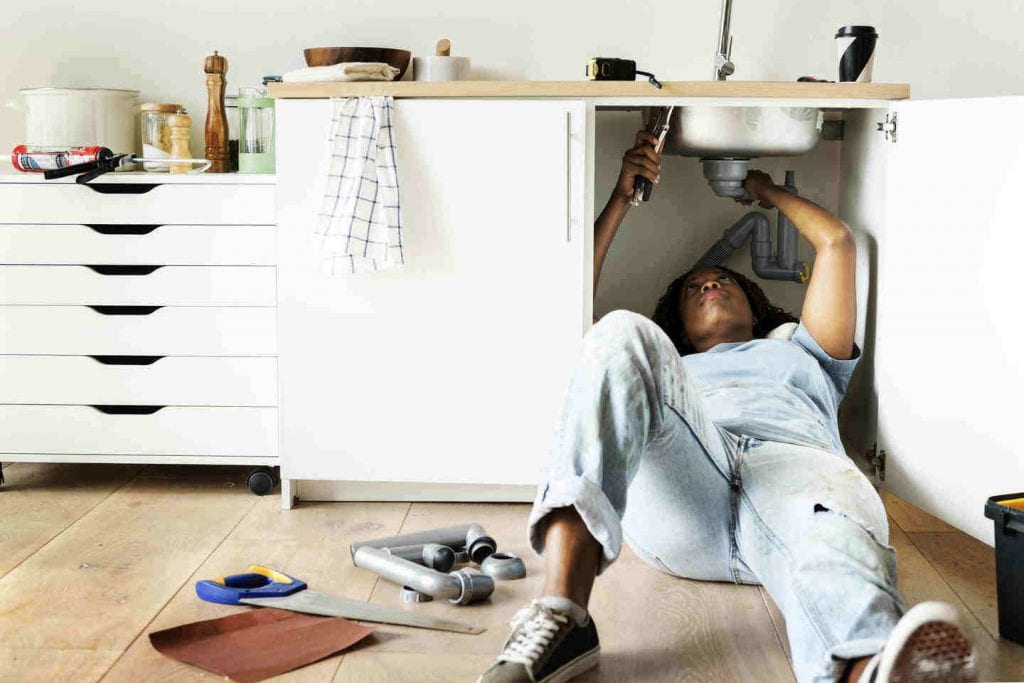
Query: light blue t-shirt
x=774, y=389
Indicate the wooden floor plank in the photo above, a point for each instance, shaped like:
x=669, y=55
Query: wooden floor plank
x=309, y=542
x=778, y=621
x=910, y=518
x=101, y=581
x=41, y=500
x=373, y=666
x=51, y=666
x=969, y=567
x=653, y=627
x=918, y=580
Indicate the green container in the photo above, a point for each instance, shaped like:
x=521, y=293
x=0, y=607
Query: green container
x=256, y=135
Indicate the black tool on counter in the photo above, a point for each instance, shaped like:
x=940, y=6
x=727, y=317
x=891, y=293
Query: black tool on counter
x=614, y=69
x=90, y=170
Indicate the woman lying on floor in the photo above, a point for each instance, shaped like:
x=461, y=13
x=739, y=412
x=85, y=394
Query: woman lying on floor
x=715, y=454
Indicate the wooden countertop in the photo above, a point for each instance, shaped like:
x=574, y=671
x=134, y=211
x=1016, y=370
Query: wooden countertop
x=598, y=89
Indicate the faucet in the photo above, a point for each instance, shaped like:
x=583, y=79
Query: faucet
x=723, y=64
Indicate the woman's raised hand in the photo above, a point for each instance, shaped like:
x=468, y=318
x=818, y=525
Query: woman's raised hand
x=640, y=159
x=755, y=184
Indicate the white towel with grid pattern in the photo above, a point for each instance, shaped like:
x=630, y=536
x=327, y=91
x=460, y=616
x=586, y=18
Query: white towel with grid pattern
x=359, y=226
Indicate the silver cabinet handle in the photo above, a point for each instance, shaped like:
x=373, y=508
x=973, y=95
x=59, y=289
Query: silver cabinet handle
x=568, y=177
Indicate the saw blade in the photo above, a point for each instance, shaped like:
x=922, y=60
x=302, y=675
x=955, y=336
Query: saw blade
x=312, y=602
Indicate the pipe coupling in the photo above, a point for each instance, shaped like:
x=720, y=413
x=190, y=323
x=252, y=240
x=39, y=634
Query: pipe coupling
x=474, y=584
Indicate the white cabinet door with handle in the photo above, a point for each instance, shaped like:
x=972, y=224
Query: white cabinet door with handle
x=453, y=367
x=949, y=364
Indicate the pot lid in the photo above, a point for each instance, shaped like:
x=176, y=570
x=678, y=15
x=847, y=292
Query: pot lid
x=162, y=107
x=55, y=91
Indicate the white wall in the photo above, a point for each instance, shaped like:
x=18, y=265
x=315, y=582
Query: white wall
x=941, y=47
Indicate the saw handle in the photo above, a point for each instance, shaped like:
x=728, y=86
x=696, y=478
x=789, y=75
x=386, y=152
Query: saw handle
x=257, y=582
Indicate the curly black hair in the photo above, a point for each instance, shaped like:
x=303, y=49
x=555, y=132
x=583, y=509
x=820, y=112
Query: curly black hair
x=766, y=316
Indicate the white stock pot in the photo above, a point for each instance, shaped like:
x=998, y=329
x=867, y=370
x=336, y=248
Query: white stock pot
x=63, y=118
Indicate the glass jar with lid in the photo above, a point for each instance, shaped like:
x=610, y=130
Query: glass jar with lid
x=156, y=133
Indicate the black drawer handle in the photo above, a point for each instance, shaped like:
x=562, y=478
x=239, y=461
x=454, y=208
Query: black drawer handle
x=123, y=270
x=128, y=410
x=126, y=360
x=108, y=229
x=121, y=188
x=125, y=310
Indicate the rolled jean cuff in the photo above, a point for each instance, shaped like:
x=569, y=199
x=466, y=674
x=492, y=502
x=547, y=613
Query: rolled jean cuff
x=840, y=655
x=593, y=507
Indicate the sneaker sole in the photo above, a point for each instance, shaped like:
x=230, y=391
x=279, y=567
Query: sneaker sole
x=934, y=650
x=585, y=662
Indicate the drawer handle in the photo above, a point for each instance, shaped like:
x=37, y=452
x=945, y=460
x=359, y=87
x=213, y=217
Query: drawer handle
x=123, y=270
x=125, y=310
x=107, y=229
x=127, y=410
x=121, y=188
x=126, y=360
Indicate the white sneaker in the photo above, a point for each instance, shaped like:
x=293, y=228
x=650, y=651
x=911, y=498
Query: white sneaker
x=928, y=644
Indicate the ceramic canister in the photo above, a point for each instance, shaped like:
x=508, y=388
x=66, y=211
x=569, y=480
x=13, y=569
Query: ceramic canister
x=438, y=68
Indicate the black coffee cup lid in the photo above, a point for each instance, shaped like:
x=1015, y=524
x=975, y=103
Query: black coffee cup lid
x=856, y=31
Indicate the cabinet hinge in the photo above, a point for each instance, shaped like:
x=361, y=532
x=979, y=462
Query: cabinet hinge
x=877, y=459
x=888, y=127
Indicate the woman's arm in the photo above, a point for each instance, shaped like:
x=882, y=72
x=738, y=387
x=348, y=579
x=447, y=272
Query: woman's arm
x=640, y=159
x=830, y=305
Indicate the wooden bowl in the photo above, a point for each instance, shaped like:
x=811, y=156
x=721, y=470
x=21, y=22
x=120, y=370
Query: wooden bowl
x=329, y=56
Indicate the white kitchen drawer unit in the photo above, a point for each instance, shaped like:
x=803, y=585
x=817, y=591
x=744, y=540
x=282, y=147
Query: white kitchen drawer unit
x=34, y=202
x=170, y=430
x=138, y=330
x=139, y=244
x=122, y=285
x=134, y=380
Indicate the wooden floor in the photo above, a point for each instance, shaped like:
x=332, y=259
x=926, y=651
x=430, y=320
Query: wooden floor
x=92, y=558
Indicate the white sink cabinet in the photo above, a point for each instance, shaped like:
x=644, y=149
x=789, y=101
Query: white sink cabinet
x=452, y=368
x=444, y=379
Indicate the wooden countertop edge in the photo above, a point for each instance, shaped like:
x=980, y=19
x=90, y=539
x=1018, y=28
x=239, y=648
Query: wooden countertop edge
x=603, y=89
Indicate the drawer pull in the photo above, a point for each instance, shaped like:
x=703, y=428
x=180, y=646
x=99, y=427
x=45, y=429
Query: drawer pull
x=123, y=270
x=126, y=360
x=125, y=310
x=121, y=188
x=107, y=229
x=127, y=410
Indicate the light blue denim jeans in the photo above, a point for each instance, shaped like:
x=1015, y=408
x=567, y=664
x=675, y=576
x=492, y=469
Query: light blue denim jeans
x=638, y=458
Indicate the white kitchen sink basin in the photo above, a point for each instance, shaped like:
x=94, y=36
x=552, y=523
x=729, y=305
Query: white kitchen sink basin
x=742, y=132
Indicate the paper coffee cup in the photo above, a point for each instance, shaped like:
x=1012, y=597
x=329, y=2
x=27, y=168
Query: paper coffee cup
x=437, y=68
x=856, y=46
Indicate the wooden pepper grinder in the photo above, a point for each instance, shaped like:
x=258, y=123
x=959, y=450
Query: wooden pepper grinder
x=181, y=132
x=216, y=119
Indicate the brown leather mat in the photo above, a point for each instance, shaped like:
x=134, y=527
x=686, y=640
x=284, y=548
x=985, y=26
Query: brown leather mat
x=258, y=644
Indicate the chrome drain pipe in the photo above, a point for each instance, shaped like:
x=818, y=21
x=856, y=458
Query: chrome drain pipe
x=460, y=587
x=469, y=537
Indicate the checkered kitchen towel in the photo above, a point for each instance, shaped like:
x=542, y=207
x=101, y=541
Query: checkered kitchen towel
x=359, y=225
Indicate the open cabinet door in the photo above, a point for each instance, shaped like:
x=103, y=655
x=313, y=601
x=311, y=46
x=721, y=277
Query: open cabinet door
x=949, y=355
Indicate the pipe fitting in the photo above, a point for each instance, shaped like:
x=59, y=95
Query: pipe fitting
x=460, y=587
x=503, y=567
x=433, y=555
x=478, y=544
x=467, y=537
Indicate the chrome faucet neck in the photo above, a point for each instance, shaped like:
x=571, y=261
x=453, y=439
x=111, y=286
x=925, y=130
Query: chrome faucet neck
x=723, y=63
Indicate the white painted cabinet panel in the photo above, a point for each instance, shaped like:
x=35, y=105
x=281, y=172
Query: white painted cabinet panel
x=35, y=202
x=228, y=432
x=145, y=380
x=169, y=331
x=138, y=285
x=184, y=245
x=948, y=359
x=452, y=368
